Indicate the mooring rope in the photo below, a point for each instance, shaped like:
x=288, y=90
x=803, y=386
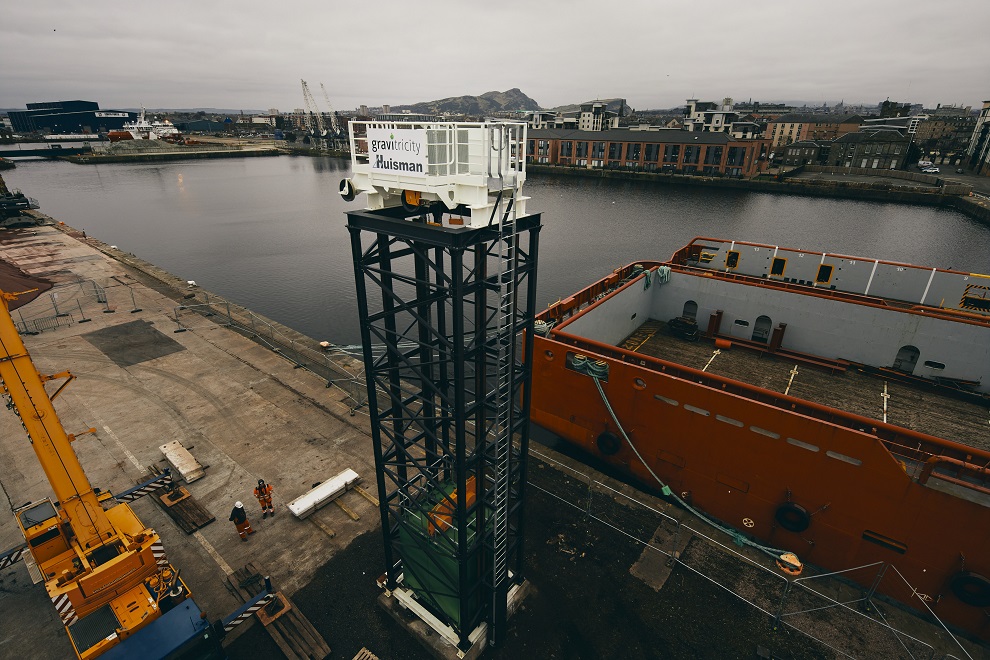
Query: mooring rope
x=597, y=370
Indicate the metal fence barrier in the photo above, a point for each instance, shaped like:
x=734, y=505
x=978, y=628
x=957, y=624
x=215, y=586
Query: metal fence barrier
x=320, y=362
x=78, y=302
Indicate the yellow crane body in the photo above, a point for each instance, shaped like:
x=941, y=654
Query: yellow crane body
x=105, y=571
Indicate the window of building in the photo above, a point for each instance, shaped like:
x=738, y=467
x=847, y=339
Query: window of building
x=634, y=151
x=671, y=153
x=614, y=150
x=691, y=154
x=598, y=150
x=566, y=149
x=532, y=147
x=713, y=155
x=736, y=156
x=582, y=149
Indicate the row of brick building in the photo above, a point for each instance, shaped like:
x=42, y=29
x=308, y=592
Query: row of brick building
x=670, y=150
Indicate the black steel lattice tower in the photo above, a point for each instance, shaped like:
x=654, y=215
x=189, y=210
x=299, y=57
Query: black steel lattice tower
x=446, y=322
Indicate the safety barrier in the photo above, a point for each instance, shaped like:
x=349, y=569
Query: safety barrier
x=218, y=311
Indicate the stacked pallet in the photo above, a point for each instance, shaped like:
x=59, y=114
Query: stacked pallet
x=287, y=626
x=181, y=507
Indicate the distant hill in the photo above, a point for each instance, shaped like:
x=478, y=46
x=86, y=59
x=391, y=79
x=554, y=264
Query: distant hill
x=489, y=102
x=611, y=104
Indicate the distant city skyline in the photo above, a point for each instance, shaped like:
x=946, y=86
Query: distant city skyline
x=655, y=56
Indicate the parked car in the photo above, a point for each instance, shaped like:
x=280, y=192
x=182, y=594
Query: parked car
x=931, y=170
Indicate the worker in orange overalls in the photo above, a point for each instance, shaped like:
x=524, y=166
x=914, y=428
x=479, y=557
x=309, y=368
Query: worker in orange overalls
x=239, y=517
x=264, y=494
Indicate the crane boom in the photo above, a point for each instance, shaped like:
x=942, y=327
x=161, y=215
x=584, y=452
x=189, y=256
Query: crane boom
x=95, y=561
x=307, y=116
x=313, y=110
x=26, y=389
x=334, y=124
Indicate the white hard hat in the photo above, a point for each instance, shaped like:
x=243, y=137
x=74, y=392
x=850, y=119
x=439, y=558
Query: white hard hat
x=238, y=505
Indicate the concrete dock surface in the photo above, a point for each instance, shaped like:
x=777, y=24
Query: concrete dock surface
x=239, y=408
x=597, y=550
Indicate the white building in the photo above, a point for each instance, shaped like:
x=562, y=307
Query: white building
x=595, y=117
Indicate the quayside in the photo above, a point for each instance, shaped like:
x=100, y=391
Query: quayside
x=831, y=406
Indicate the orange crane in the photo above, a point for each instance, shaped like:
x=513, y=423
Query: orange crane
x=105, y=571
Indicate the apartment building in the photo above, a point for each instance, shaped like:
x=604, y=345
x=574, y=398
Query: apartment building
x=708, y=116
x=670, y=151
x=979, y=147
x=796, y=127
x=945, y=136
x=879, y=149
x=805, y=152
x=595, y=116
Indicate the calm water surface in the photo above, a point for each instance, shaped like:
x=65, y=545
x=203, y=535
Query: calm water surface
x=269, y=233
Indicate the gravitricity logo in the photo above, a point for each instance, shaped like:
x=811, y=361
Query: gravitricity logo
x=391, y=144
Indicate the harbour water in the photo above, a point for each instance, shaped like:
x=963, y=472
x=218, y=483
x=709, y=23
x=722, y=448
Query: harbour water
x=269, y=233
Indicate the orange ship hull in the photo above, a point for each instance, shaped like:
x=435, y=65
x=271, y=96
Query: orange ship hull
x=840, y=490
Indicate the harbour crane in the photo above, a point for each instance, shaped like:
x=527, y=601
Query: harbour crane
x=312, y=110
x=334, y=123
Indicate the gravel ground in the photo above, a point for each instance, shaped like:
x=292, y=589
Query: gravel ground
x=586, y=603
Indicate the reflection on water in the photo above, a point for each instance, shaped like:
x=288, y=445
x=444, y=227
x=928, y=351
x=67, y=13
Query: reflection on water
x=269, y=232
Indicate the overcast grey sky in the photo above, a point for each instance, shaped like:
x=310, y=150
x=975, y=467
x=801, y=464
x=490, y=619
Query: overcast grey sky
x=251, y=55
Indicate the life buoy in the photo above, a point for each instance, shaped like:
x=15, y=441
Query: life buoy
x=792, y=517
x=347, y=190
x=971, y=588
x=608, y=443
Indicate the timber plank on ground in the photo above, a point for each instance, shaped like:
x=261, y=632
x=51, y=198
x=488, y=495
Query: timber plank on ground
x=187, y=512
x=291, y=631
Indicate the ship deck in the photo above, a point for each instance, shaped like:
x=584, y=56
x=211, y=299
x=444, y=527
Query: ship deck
x=920, y=409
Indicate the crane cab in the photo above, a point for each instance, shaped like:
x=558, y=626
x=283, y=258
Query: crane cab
x=42, y=529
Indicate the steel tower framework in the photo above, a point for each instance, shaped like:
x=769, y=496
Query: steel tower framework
x=449, y=401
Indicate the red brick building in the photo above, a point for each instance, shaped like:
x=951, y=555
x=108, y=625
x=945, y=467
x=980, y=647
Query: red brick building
x=790, y=128
x=671, y=151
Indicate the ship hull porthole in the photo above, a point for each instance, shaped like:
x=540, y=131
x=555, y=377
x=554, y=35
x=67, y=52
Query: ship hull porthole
x=971, y=588
x=608, y=443
x=792, y=517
